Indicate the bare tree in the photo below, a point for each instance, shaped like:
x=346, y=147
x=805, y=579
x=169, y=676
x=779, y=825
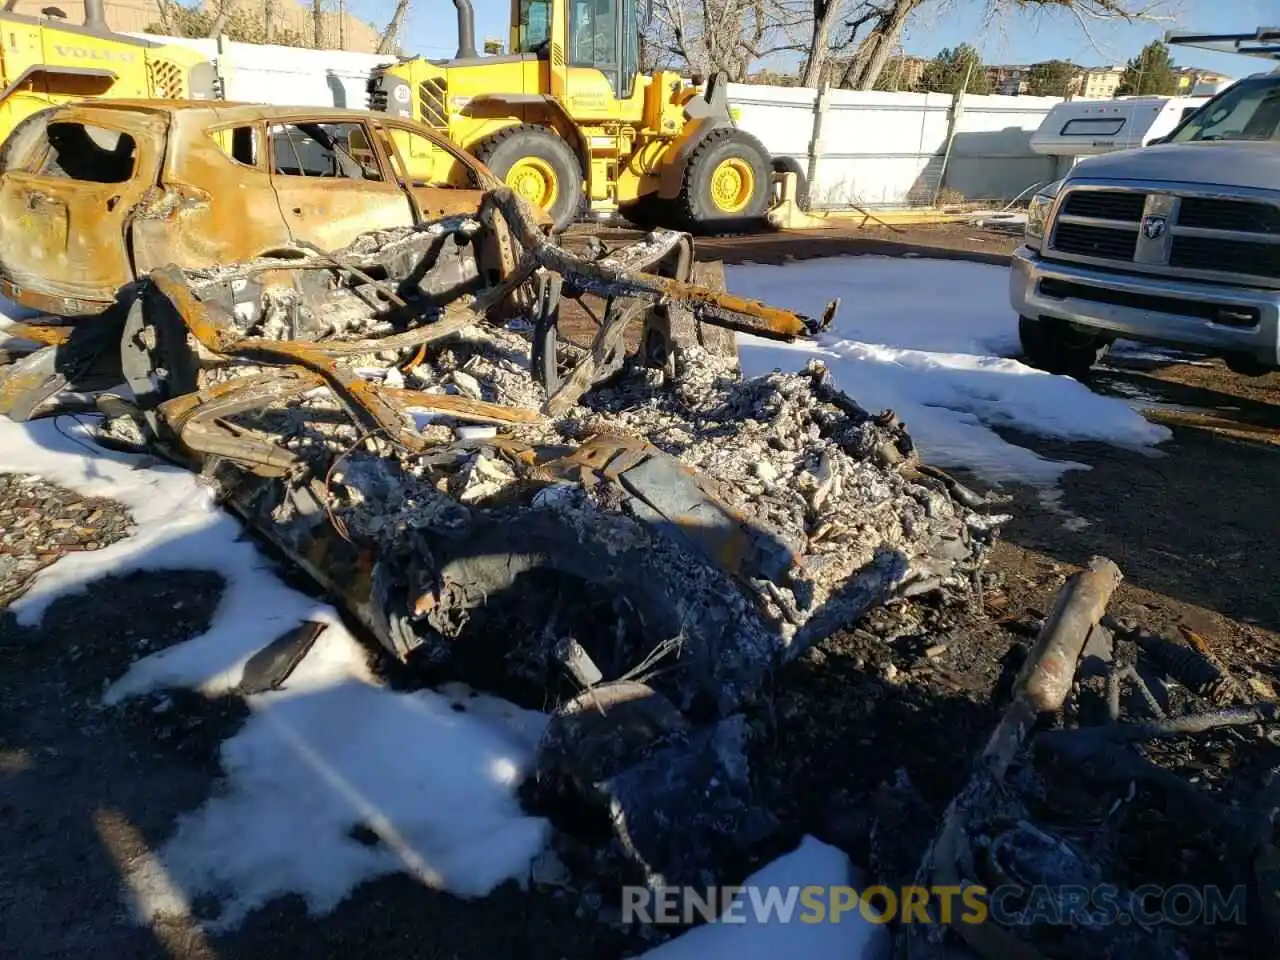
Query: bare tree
x=317, y=24
x=876, y=29
x=220, y=21
x=870, y=30
x=166, y=22
x=391, y=35
x=728, y=36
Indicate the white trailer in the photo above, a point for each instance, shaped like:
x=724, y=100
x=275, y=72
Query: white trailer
x=1085, y=128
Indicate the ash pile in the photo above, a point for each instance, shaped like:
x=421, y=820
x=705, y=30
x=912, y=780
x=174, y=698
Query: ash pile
x=632, y=540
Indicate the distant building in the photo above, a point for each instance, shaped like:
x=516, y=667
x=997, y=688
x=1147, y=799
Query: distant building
x=770, y=78
x=134, y=16
x=1100, y=83
x=1191, y=77
x=1010, y=78
x=903, y=73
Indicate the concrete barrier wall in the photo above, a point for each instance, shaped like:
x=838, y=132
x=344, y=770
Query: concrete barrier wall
x=888, y=149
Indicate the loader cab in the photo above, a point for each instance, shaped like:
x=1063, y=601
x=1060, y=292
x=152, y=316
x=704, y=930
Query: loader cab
x=600, y=35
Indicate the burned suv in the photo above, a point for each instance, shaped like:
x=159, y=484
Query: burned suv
x=95, y=195
x=1176, y=243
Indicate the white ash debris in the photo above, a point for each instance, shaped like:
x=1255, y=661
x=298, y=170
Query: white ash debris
x=781, y=455
x=481, y=363
x=810, y=470
x=381, y=498
x=484, y=477
x=382, y=242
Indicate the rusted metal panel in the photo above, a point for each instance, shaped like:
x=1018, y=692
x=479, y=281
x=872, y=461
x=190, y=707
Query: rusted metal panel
x=66, y=244
x=65, y=238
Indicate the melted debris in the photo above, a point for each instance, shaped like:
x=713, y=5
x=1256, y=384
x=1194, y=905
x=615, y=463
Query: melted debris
x=676, y=535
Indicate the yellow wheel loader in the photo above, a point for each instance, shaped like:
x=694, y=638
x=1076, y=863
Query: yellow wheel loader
x=569, y=122
x=45, y=61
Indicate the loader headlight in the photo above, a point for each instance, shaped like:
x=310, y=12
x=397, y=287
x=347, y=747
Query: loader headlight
x=1038, y=212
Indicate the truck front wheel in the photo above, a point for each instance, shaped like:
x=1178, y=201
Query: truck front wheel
x=1057, y=346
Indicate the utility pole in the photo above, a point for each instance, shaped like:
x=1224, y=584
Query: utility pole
x=957, y=107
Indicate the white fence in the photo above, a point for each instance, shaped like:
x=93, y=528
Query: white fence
x=891, y=149
x=258, y=73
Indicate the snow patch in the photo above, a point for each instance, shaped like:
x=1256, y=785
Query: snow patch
x=754, y=932
x=176, y=526
x=929, y=339
x=333, y=779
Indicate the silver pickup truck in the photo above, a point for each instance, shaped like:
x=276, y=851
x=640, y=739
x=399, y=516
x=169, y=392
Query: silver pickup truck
x=1176, y=243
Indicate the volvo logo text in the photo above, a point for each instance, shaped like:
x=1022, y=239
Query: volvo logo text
x=1153, y=227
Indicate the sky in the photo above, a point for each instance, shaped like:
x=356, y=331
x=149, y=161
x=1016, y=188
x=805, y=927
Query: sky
x=1016, y=37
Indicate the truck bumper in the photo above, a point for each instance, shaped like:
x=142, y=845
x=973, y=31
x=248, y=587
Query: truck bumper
x=1215, y=319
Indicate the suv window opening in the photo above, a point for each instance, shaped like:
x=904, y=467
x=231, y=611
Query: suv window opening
x=346, y=165
x=393, y=151
x=90, y=154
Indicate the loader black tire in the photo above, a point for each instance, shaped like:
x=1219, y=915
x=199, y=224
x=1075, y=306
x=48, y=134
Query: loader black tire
x=524, y=154
x=792, y=165
x=726, y=186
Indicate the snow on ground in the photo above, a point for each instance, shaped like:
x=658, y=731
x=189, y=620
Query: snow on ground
x=331, y=750
x=929, y=339
x=770, y=921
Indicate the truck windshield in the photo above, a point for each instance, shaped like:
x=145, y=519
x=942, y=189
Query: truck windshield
x=1250, y=110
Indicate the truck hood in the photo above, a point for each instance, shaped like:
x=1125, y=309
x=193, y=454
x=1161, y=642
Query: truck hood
x=1227, y=163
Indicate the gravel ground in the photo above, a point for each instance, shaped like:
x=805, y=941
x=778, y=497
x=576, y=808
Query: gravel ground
x=86, y=789
x=39, y=522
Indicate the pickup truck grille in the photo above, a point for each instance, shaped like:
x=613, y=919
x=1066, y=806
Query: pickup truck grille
x=1086, y=240
x=1105, y=204
x=1211, y=253
x=1221, y=238
x=1210, y=213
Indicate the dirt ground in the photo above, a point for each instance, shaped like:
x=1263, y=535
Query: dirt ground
x=83, y=789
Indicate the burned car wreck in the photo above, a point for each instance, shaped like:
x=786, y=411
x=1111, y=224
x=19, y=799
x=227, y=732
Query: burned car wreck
x=629, y=535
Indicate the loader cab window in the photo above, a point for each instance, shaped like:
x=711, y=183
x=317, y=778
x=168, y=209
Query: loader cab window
x=604, y=34
x=535, y=25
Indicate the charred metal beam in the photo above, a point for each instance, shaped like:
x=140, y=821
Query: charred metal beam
x=612, y=278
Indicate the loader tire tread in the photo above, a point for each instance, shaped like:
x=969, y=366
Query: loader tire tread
x=500, y=151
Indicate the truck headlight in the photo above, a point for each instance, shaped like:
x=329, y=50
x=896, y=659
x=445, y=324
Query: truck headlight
x=1038, y=211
